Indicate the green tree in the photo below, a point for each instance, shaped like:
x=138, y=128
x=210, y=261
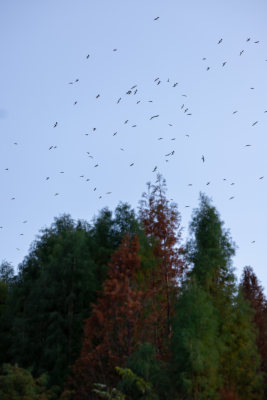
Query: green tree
x=18, y=384
x=230, y=339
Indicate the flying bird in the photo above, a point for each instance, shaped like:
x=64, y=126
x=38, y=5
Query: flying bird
x=208, y=68
x=248, y=39
x=254, y=123
x=261, y=177
x=55, y=124
x=175, y=84
x=203, y=158
x=131, y=164
x=88, y=55
x=241, y=52
x=126, y=121
x=115, y=49
x=96, y=165
x=253, y=241
x=118, y=100
x=207, y=183
x=231, y=198
x=77, y=80
x=223, y=64
x=234, y=112
x=220, y=41
x=257, y=41
x=115, y=133
x=97, y=96
x=155, y=169
x=48, y=177
x=155, y=19
x=154, y=116
x=75, y=103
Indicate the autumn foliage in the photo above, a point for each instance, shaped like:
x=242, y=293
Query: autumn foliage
x=111, y=333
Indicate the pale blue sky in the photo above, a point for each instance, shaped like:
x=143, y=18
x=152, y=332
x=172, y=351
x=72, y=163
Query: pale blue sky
x=44, y=46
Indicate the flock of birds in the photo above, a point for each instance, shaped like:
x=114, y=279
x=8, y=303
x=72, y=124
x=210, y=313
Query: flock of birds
x=133, y=91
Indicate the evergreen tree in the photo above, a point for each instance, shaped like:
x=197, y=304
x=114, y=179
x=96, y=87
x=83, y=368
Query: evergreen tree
x=237, y=367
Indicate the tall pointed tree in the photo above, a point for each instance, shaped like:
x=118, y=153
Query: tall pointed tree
x=161, y=221
x=209, y=252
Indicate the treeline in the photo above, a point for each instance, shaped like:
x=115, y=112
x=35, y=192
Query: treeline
x=120, y=309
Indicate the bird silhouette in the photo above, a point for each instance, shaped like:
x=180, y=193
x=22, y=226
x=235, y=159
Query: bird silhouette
x=155, y=169
x=220, y=41
x=154, y=116
x=55, y=124
x=97, y=96
x=131, y=164
x=261, y=177
x=223, y=64
x=241, y=52
x=203, y=158
x=254, y=123
x=208, y=68
x=155, y=19
x=118, y=100
x=234, y=112
x=231, y=198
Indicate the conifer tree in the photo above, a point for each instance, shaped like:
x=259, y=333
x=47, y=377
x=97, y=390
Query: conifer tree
x=111, y=332
x=253, y=292
x=161, y=221
x=209, y=252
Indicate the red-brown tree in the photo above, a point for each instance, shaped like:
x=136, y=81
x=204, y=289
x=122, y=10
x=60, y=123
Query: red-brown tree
x=161, y=221
x=111, y=333
x=253, y=292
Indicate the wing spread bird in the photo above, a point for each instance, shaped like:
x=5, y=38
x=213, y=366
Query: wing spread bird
x=154, y=116
x=220, y=41
x=254, y=123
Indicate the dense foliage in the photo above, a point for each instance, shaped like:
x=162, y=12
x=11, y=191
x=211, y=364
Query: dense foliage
x=118, y=308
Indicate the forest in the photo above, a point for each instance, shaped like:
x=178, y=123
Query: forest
x=124, y=308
